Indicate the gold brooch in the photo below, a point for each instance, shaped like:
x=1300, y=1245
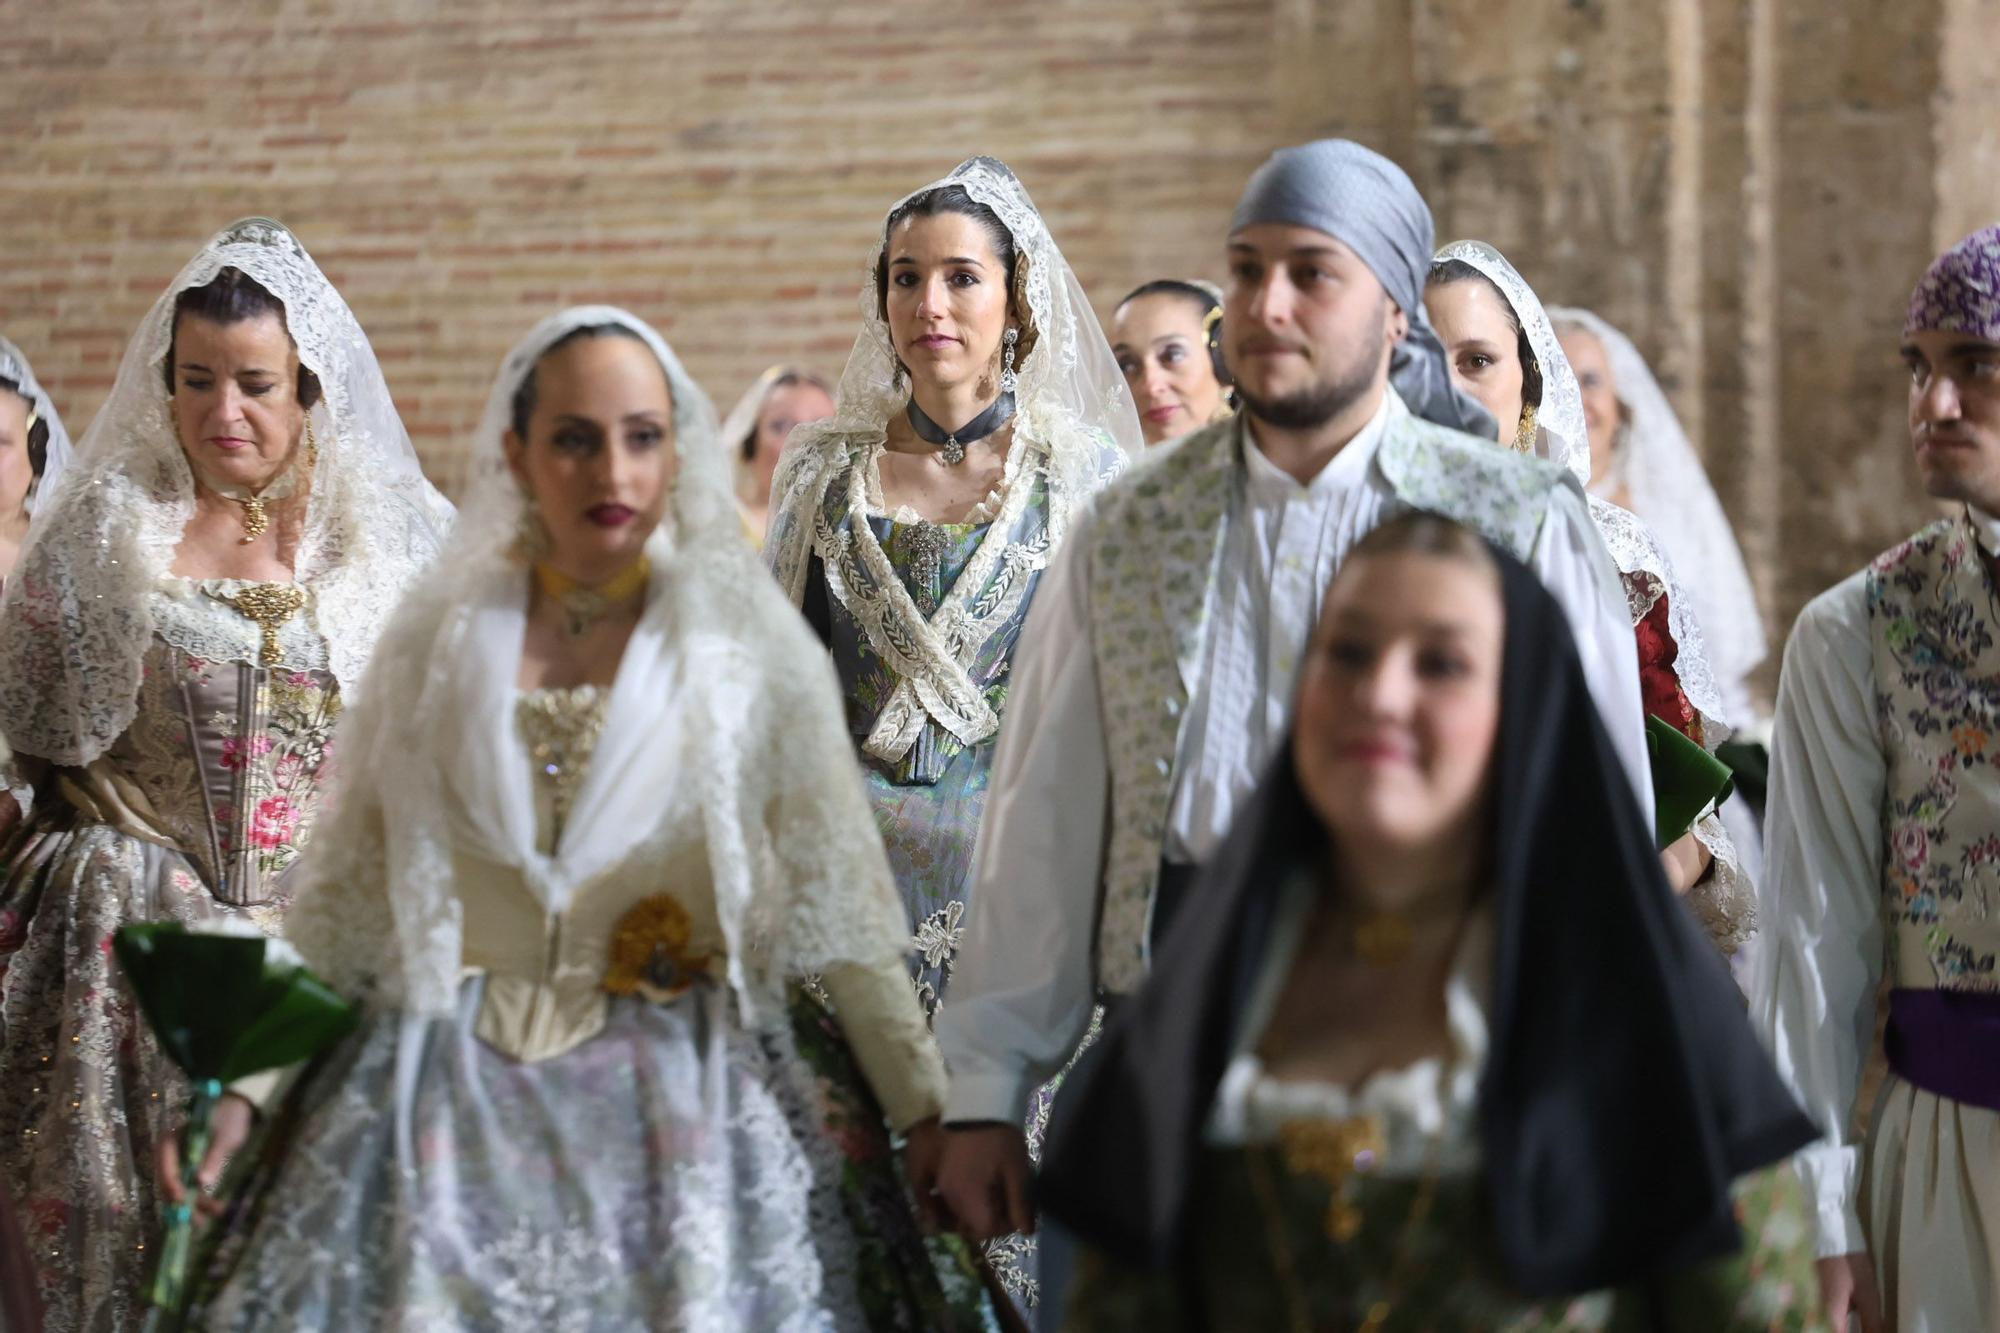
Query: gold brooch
x=1335, y=1151
x=650, y=956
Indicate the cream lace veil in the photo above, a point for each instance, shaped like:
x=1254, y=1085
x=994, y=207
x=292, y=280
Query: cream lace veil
x=724, y=747
x=77, y=619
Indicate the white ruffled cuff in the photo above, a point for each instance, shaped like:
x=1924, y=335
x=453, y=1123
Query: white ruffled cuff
x=1832, y=1179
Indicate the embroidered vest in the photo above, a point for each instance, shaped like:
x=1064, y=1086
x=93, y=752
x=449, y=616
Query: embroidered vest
x=1155, y=556
x=1933, y=622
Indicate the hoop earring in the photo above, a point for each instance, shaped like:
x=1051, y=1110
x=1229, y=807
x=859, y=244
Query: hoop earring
x=1009, y=381
x=1524, y=434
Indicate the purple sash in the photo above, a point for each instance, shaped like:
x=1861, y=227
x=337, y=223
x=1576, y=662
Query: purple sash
x=1948, y=1043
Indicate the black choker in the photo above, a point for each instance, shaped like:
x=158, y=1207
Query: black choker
x=951, y=443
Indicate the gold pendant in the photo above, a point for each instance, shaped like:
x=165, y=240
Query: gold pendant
x=1335, y=1151
x=254, y=523
x=269, y=606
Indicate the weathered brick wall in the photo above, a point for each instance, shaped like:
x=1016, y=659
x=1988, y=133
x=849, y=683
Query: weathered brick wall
x=461, y=168
x=1748, y=187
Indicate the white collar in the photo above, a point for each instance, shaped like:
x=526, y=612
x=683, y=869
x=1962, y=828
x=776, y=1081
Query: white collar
x=1986, y=528
x=1339, y=471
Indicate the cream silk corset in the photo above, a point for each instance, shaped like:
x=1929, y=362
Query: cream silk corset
x=545, y=971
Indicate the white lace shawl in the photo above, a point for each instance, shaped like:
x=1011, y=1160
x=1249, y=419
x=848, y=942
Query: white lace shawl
x=1562, y=438
x=14, y=366
x=1671, y=491
x=1726, y=900
x=77, y=619
x=724, y=741
x=1073, y=417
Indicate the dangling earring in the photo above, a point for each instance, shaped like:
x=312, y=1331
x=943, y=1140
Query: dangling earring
x=1009, y=381
x=1524, y=434
x=312, y=444
x=531, y=535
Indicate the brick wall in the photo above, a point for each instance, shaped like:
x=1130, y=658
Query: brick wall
x=1749, y=188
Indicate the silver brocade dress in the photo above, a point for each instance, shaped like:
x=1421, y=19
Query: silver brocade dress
x=562, y=1154
x=198, y=810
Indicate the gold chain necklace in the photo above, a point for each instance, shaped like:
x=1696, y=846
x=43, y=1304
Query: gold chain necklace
x=1336, y=1151
x=584, y=606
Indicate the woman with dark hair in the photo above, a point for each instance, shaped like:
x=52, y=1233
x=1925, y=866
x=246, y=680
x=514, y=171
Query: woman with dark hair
x=598, y=818
x=34, y=449
x=1431, y=1046
x=1167, y=336
x=195, y=602
x=980, y=410
x=1505, y=353
x=756, y=429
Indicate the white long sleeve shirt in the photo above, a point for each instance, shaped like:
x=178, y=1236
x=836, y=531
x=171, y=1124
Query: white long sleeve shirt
x=1822, y=939
x=1819, y=952
x=1023, y=989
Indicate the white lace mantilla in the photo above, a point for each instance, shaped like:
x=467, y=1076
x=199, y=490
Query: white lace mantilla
x=723, y=743
x=1670, y=489
x=77, y=615
x=1562, y=438
x=1074, y=424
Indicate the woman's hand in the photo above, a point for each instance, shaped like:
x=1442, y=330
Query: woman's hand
x=1847, y=1286
x=923, y=1154
x=987, y=1180
x=230, y=1124
x=1686, y=862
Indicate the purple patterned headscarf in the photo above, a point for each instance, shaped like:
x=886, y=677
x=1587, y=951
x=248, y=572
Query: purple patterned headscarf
x=1961, y=292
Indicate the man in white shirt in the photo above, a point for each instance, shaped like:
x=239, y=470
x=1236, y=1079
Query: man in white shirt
x=1155, y=676
x=1883, y=843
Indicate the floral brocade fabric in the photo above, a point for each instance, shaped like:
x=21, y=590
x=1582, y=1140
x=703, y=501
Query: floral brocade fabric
x=1423, y=1258
x=199, y=809
x=927, y=804
x=1931, y=607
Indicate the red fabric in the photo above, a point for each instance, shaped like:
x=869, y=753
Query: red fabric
x=1659, y=685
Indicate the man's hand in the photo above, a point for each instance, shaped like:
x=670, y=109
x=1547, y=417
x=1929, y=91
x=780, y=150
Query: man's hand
x=984, y=1180
x=1847, y=1286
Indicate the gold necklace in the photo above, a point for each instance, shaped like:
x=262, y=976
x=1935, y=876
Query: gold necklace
x=1382, y=938
x=1336, y=1151
x=255, y=521
x=583, y=606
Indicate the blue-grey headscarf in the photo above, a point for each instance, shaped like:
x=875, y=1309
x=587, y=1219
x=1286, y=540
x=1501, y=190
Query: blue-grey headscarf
x=1367, y=203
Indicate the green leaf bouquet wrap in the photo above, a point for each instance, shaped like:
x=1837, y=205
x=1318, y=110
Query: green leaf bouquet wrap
x=225, y=1002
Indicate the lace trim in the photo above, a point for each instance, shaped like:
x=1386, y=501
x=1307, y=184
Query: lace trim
x=985, y=511
x=80, y=614
x=1637, y=551
x=189, y=615
x=931, y=655
x=1072, y=397
x=1725, y=902
x=1559, y=417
